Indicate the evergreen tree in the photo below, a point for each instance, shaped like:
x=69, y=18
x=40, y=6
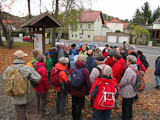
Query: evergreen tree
x=138, y=18
x=147, y=13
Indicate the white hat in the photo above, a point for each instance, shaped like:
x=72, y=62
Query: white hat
x=20, y=54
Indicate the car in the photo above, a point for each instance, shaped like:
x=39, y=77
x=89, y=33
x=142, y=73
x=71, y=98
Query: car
x=26, y=39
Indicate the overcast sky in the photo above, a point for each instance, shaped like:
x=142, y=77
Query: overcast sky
x=123, y=9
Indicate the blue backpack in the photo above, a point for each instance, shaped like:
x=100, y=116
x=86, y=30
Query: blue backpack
x=77, y=80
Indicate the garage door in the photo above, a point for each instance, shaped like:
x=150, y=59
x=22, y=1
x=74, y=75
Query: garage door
x=123, y=38
x=112, y=39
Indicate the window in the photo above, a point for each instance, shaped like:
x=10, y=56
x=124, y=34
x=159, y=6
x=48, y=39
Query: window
x=80, y=26
x=72, y=35
x=88, y=36
x=75, y=35
x=89, y=27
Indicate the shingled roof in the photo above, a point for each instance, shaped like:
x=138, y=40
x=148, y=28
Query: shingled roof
x=90, y=16
x=43, y=20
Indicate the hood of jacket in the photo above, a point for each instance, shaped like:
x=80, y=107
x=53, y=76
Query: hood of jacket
x=40, y=64
x=134, y=66
x=121, y=61
x=18, y=61
x=59, y=66
x=106, y=79
x=80, y=64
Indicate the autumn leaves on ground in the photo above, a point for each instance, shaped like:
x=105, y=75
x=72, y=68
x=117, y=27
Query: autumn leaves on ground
x=146, y=108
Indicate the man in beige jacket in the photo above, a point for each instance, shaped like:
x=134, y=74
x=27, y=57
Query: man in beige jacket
x=25, y=105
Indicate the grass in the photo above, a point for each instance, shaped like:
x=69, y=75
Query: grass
x=18, y=44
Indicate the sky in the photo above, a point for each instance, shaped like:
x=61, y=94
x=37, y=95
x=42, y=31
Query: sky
x=123, y=9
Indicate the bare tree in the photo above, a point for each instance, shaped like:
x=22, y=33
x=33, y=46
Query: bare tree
x=68, y=6
x=6, y=32
x=53, y=31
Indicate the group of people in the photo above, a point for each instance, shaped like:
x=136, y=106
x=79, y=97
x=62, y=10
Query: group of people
x=102, y=75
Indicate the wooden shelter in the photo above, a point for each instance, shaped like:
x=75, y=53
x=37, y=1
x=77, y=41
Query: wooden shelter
x=39, y=23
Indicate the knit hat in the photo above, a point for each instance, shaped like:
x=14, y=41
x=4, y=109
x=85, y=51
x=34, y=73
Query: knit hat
x=47, y=53
x=100, y=58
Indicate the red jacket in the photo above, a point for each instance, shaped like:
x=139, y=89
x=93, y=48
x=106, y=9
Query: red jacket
x=61, y=75
x=117, y=69
x=43, y=85
x=96, y=84
x=142, y=67
x=110, y=61
x=85, y=89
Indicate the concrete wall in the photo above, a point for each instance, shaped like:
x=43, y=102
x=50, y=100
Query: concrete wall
x=117, y=37
x=115, y=26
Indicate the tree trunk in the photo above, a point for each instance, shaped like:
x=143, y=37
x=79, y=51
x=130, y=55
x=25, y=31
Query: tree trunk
x=68, y=6
x=29, y=17
x=53, y=31
x=1, y=42
x=6, y=33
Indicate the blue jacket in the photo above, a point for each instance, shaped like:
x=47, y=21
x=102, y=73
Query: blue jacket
x=157, y=66
x=90, y=63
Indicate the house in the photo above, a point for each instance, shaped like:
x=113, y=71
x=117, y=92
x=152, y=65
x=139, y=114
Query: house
x=12, y=24
x=91, y=27
x=116, y=25
x=156, y=30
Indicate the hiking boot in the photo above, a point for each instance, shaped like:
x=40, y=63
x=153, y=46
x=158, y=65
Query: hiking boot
x=157, y=87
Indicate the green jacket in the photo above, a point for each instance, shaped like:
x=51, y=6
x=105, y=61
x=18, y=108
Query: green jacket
x=49, y=64
x=33, y=61
x=29, y=74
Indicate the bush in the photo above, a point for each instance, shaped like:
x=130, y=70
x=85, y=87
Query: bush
x=154, y=42
x=117, y=31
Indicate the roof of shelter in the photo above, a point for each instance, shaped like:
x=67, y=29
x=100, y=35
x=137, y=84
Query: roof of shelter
x=44, y=20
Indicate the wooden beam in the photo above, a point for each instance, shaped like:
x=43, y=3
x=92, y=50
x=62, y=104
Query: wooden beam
x=43, y=40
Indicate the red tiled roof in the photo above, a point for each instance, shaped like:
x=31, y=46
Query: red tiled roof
x=115, y=20
x=89, y=16
x=16, y=22
x=125, y=25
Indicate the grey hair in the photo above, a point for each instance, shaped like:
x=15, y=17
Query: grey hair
x=40, y=58
x=63, y=60
x=107, y=71
x=132, y=59
x=81, y=58
x=35, y=53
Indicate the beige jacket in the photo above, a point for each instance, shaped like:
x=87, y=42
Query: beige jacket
x=29, y=74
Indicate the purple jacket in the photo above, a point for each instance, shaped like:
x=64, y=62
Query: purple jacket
x=86, y=87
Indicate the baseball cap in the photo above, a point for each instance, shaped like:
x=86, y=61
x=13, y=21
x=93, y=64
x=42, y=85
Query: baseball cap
x=20, y=54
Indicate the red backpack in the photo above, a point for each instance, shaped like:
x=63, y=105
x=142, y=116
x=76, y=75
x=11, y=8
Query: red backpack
x=105, y=98
x=54, y=77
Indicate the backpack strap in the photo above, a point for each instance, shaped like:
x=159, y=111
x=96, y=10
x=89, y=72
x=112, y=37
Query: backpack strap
x=134, y=70
x=100, y=71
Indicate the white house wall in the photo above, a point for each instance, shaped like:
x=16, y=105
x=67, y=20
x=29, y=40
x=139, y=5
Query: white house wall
x=98, y=27
x=115, y=26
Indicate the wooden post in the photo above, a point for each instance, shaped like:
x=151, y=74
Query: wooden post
x=43, y=40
